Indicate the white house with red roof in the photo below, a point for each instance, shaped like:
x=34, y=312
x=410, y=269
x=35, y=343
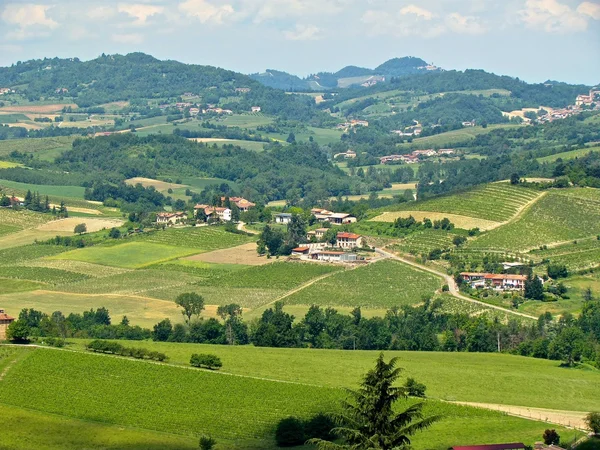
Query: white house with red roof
x=348, y=240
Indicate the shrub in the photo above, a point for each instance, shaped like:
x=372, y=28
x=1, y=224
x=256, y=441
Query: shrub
x=551, y=437
x=414, y=388
x=114, y=348
x=206, y=360
x=207, y=443
x=592, y=420
x=290, y=432
x=319, y=427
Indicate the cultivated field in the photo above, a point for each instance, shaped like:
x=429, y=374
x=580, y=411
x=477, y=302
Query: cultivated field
x=382, y=284
x=568, y=155
x=44, y=148
x=203, y=238
x=69, y=224
x=157, y=184
x=424, y=242
x=242, y=254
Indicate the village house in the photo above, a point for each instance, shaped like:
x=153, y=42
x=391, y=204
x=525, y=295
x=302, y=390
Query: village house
x=407, y=159
x=586, y=100
x=171, y=218
x=5, y=321
x=330, y=256
x=349, y=240
x=340, y=218
x=318, y=234
x=194, y=111
x=425, y=153
x=359, y=123
x=6, y=91
x=61, y=91
x=215, y=212
x=468, y=124
x=349, y=154
x=183, y=105
x=283, y=218
x=243, y=204
x=445, y=151
x=255, y=109
x=243, y=90
x=500, y=282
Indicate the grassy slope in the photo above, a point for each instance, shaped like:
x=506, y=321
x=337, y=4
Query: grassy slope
x=568, y=155
x=82, y=389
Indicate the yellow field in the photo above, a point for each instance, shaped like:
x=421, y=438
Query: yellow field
x=41, y=109
x=8, y=165
x=463, y=222
x=69, y=224
x=243, y=254
x=158, y=185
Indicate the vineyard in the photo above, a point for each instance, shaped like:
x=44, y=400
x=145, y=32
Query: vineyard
x=576, y=255
x=424, y=242
x=204, y=238
x=382, y=284
x=554, y=218
x=22, y=219
x=495, y=202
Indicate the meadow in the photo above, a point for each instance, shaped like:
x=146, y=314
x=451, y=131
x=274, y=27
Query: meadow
x=132, y=255
x=568, y=155
x=44, y=148
x=203, y=238
x=382, y=284
x=450, y=138
x=554, y=218
x=496, y=202
x=54, y=191
x=164, y=395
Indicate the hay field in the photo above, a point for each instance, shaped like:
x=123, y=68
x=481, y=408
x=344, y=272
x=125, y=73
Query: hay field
x=69, y=224
x=243, y=254
x=464, y=222
x=40, y=109
x=157, y=184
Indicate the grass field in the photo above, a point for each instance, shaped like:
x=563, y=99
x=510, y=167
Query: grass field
x=425, y=241
x=256, y=146
x=82, y=390
x=382, y=284
x=568, y=155
x=131, y=255
x=464, y=222
x=56, y=191
x=450, y=138
x=202, y=238
x=554, y=218
x=9, y=164
x=10, y=286
x=496, y=202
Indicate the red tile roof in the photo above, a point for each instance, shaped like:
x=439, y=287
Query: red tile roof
x=301, y=249
x=4, y=316
x=512, y=446
x=344, y=235
x=500, y=276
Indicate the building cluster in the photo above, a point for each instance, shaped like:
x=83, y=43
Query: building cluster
x=220, y=213
x=496, y=281
x=6, y=91
x=372, y=81
x=341, y=251
x=412, y=131
x=352, y=124
x=348, y=154
x=416, y=156
x=322, y=215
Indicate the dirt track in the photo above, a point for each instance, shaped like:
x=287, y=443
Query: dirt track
x=572, y=419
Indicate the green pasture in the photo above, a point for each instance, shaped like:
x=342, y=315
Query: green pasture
x=250, y=120
x=9, y=285
x=44, y=189
x=382, y=284
x=164, y=396
x=568, y=155
x=131, y=255
x=199, y=183
x=554, y=218
x=450, y=138
x=13, y=118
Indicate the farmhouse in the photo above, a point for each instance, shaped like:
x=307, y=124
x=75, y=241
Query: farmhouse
x=243, y=204
x=445, y=151
x=317, y=234
x=214, y=212
x=359, y=123
x=5, y=321
x=340, y=218
x=426, y=153
x=243, y=90
x=6, y=91
x=468, y=124
x=194, y=111
x=349, y=154
x=299, y=251
x=333, y=256
x=255, y=109
x=283, y=218
x=349, y=240
x=171, y=218
x=500, y=282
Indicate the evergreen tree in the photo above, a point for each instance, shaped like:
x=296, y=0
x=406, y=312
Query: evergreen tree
x=534, y=289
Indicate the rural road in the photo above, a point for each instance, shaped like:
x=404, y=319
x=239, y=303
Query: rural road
x=453, y=288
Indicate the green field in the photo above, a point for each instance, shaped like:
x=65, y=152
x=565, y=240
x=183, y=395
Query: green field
x=450, y=138
x=131, y=255
x=554, y=218
x=496, y=202
x=22, y=219
x=14, y=118
x=9, y=285
x=56, y=191
x=576, y=255
x=568, y=155
x=382, y=284
x=243, y=120
x=425, y=241
x=203, y=238
x=9, y=164
x=165, y=395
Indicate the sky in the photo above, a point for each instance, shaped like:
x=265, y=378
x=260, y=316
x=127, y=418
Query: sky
x=535, y=40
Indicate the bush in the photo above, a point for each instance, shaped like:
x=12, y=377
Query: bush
x=414, y=388
x=592, y=420
x=290, y=432
x=206, y=360
x=551, y=437
x=114, y=348
x=319, y=427
x=207, y=443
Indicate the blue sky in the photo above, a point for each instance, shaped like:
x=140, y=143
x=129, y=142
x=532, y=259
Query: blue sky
x=535, y=40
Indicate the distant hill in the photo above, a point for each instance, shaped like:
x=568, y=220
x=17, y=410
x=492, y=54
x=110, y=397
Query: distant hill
x=347, y=76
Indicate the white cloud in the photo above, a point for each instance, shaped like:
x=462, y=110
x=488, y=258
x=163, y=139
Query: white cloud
x=140, y=12
x=417, y=11
x=264, y=10
x=132, y=38
x=458, y=23
x=303, y=33
x=590, y=9
x=28, y=15
x=101, y=13
x=555, y=17
x=206, y=12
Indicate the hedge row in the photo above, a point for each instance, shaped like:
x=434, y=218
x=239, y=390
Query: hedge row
x=115, y=348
